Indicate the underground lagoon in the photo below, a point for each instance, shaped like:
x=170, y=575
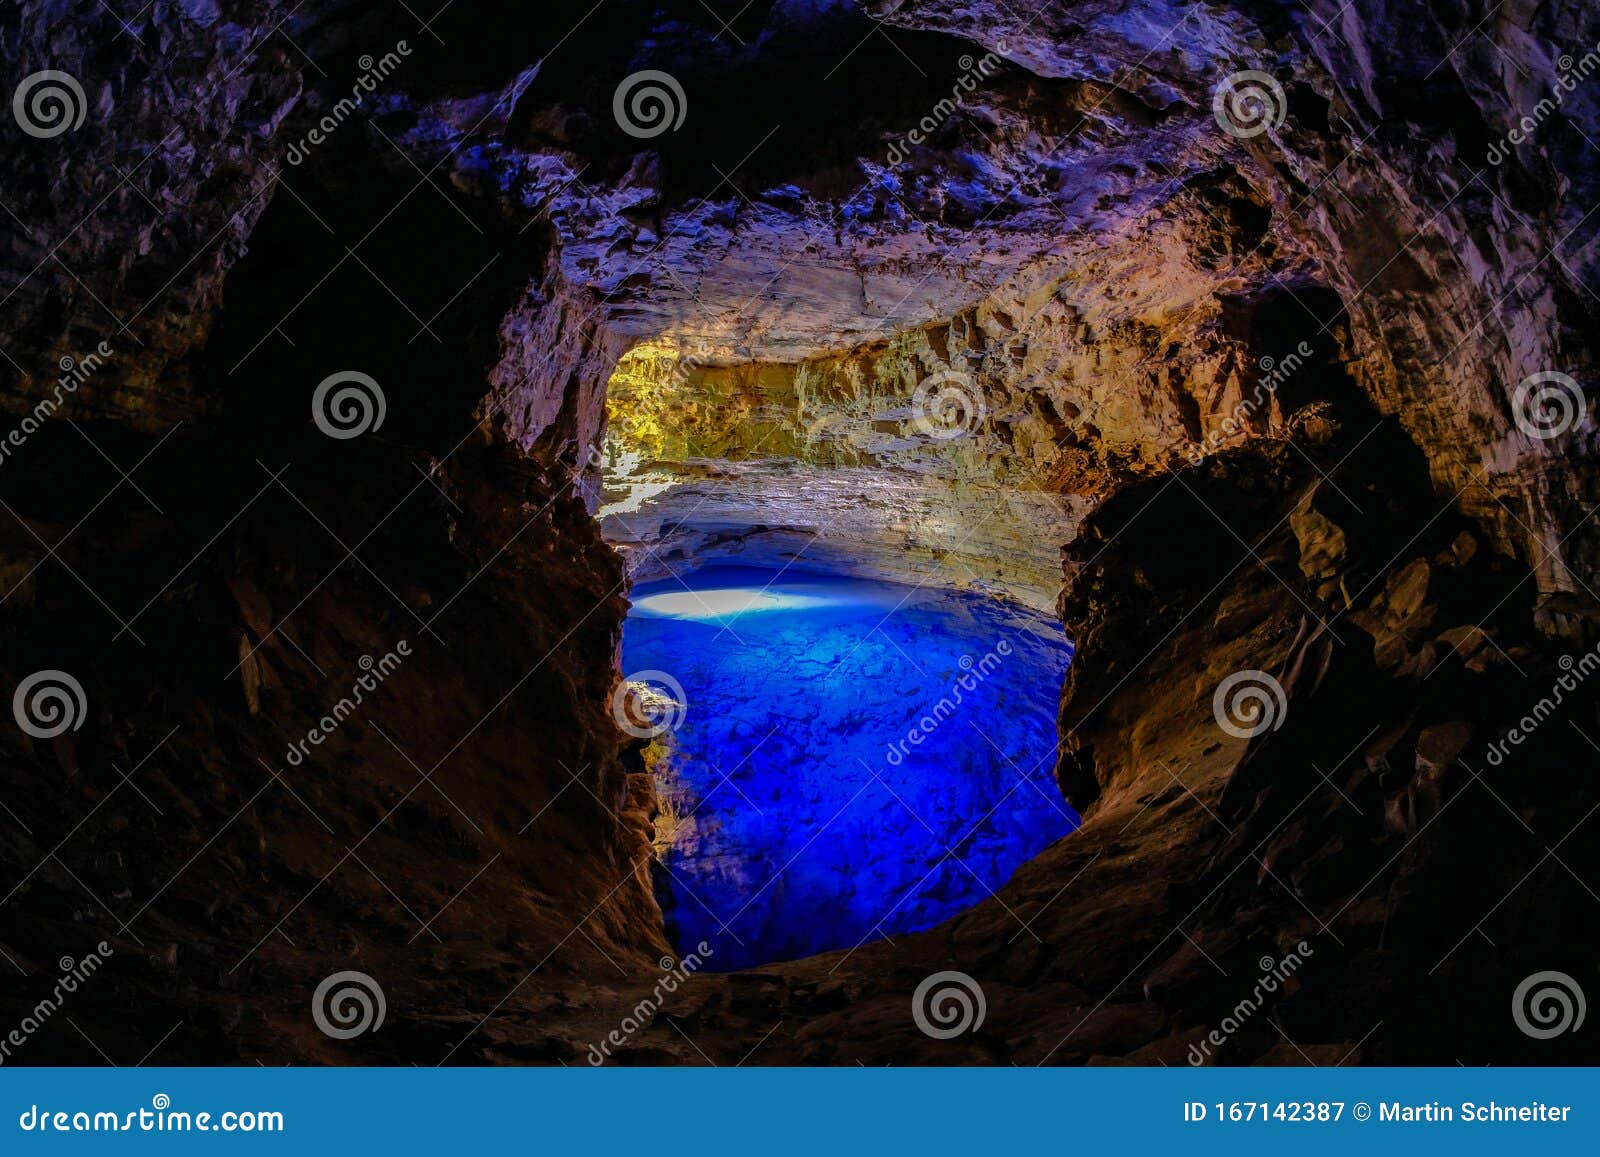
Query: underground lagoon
x=836, y=759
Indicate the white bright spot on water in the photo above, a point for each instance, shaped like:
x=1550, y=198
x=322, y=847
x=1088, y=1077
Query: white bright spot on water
x=730, y=603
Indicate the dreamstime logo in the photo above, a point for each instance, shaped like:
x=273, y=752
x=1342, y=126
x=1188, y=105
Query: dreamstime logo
x=973, y=673
x=373, y=72
x=48, y=104
x=374, y=673
x=1274, y=372
x=73, y=974
x=947, y=405
x=1571, y=73
x=1275, y=975
x=156, y=1119
x=74, y=372
x=1247, y=703
x=1548, y=1004
x=673, y=974
x=49, y=703
x=1574, y=672
x=649, y=703
x=649, y=103
x=1548, y=404
x=973, y=72
x=1249, y=103
x=948, y=1004
x=348, y=1004
x=348, y=412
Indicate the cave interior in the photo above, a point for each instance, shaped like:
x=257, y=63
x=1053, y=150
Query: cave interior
x=816, y=538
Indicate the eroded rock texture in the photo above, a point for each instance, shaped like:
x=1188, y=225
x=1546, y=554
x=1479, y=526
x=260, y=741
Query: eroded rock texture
x=1071, y=237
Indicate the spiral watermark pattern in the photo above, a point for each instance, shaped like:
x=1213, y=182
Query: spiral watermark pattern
x=1548, y=404
x=49, y=103
x=649, y=103
x=348, y=1004
x=1248, y=703
x=49, y=703
x=348, y=404
x=947, y=405
x=948, y=1004
x=1249, y=103
x=649, y=703
x=1547, y=1004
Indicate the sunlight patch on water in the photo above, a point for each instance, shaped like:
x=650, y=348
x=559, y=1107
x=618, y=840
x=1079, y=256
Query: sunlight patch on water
x=726, y=605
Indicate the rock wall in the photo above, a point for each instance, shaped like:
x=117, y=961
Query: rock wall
x=224, y=566
x=884, y=463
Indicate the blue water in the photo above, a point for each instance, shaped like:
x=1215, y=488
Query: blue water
x=807, y=816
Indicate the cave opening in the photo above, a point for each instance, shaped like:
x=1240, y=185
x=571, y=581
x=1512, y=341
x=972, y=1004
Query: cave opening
x=850, y=732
